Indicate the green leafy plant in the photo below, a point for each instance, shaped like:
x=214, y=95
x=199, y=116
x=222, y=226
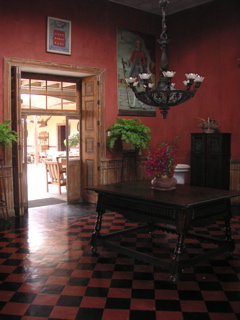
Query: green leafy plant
x=131, y=131
x=73, y=140
x=7, y=136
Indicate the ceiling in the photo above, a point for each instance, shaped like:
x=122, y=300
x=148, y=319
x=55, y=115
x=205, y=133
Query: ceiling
x=152, y=6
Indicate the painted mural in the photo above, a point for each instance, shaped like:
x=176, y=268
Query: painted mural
x=135, y=54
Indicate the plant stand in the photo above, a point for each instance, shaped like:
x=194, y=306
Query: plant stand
x=3, y=197
x=129, y=166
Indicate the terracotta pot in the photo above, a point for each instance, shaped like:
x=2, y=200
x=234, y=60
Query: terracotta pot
x=164, y=184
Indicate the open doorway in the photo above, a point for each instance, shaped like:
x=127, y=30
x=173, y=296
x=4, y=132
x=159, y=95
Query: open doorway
x=92, y=142
x=46, y=100
x=54, y=174
x=45, y=144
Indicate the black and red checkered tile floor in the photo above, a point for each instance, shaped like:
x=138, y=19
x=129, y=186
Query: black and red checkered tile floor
x=47, y=271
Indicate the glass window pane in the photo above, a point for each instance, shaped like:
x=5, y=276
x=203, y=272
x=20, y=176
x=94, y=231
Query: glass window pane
x=25, y=90
x=73, y=138
x=69, y=89
x=54, y=103
x=38, y=102
x=69, y=104
x=38, y=86
x=25, y=85
x=54, y=88
x=25, y=101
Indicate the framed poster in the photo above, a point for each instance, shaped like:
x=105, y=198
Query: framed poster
x=135, y=54
x=58, y=36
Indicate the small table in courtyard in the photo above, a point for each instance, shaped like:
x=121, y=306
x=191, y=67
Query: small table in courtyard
x=182, y=208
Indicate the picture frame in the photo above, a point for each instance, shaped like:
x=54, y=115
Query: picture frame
x=58, y=36
x=128, y=43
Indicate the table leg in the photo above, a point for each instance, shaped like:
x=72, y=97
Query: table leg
x=177, y=258
x=228, y=228
x=96, y=231
x=228, y=233
x=151, y=228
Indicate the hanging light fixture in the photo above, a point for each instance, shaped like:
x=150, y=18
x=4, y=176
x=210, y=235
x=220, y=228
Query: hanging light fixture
x=164, y=95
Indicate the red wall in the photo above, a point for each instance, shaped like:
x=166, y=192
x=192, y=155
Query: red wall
x=204, y=40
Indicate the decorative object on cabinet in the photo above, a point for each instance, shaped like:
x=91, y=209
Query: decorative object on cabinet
x=164, y=96
x=44, y=141
x=209, y=125
x=58, y=36
x=131, y=131
x=210, y=160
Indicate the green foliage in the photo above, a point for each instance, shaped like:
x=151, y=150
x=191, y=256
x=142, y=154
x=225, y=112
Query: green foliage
x=73, y=140
x=7, y=136
x=131, y=131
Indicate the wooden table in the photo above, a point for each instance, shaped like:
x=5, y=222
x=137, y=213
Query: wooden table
x=182, y=208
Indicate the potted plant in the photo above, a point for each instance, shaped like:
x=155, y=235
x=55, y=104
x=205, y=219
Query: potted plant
x=7, y=136
x=161, y=164
x=73, y=140
x=131, y=131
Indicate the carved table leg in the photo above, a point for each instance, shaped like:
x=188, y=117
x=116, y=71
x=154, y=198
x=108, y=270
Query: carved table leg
x=228, y=233
x=96, y=232
x=177, y=258
x=228, y=229
x=151, y=228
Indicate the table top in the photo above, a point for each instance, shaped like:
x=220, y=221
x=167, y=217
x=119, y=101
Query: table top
x=183, y=196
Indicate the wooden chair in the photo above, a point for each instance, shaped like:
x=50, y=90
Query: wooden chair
x=55, y=174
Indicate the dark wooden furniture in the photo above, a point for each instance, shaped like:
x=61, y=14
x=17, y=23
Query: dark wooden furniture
x=210, y=160
x=182, y=208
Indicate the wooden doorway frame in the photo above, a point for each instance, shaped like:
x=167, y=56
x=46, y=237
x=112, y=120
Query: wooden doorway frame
x=34, y=66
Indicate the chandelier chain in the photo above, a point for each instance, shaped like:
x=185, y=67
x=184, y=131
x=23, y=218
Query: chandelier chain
x=165, y=95
x=163, y=35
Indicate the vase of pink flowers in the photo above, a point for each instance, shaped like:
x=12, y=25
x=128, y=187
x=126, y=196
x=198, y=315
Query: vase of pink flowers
x=161, y=164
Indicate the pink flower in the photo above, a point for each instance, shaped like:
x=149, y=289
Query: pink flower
x=161, y=160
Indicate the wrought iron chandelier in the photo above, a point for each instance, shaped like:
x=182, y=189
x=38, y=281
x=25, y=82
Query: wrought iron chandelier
x=164, y=95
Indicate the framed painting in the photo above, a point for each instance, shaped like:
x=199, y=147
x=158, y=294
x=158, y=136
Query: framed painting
x=135, y=54
x=58, y=36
